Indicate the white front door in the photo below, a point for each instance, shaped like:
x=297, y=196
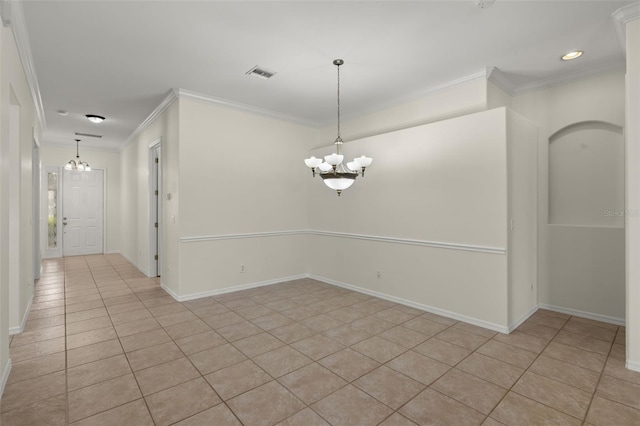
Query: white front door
x=82, y=211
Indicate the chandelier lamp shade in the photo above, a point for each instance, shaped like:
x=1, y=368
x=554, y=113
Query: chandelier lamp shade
x=334, y=173
x=77, y=164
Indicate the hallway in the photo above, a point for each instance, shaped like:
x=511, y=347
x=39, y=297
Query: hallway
x=105, y=345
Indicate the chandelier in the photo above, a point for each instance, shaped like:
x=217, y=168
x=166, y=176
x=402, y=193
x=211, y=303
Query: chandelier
x=77, y=164
x=332, y=170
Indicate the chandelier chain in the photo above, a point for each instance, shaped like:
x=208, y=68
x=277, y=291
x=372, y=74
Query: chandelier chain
x=339, y=102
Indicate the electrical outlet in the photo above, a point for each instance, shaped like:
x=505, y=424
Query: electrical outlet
x=379, y=274
x=243, y=269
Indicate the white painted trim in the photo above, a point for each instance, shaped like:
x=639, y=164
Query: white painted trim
x=578, y=75
x=182, y=93
x=522, y=319
x=134, y=263
x=498, y=78
x=224, y=237
x=155, y=237
x=5, y=376
x=225, y=290
x=621, y=17
x=632, y=365
x=112, y=252
x=19, y=29
x=19, y=329
x=166, y=103
x=583, y=314
x=426, y=308
x=423, y=243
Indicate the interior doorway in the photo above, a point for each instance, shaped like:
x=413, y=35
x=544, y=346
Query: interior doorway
x=82, y=212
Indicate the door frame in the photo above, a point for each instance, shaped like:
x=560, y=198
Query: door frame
x=155, y=207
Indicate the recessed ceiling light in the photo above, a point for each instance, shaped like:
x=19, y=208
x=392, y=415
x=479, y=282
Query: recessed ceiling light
x=95, y=118
x=62, y=112
x=572, y=55
x=261, y=72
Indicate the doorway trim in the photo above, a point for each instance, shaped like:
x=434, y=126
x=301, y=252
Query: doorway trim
x=155, y=208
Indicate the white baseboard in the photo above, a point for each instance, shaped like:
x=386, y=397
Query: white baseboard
x=583, y=314
x=442, y=312
x=134, y=263
x=20, y=328
x=5, y=376
x=219, y=291
x=632, y=365
x=113, y=252
x=522, y=319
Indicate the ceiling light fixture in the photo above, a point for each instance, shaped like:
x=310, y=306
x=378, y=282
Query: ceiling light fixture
x=572, y=55
x=95, y=118
x=77, y=165
x=333, y=172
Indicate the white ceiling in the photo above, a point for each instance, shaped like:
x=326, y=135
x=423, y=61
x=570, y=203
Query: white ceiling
x=120, y=58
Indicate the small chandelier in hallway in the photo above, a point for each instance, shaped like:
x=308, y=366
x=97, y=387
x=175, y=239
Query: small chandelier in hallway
x=77, y=164
x=332, y=170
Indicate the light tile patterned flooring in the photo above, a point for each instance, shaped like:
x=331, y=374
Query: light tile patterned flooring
x=105, y=345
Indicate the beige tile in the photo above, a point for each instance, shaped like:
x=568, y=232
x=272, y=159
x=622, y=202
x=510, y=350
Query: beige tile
x=210, y=310
x=397, y=419
x=322, y=322
x=154, y=355
x=50, y=412
x=538, y=330
x=38, y=335
x=78, y=307
x=144, y=340
x=517, y=410
x=419, y=367
x=554, y=394
x=281, y=361
x=371, y=324
x=90, y=337
x=470, y=390
x=619, y=391
x=88, y=325
x=239, y=331
x=271, y=321
x=350, y=406
x=85, y=315
x=462, y=338
x=132, y=413
x=317, y=347
x=403, y=336
x=135, y=327
x=548, y=319
x=223, y=320
x=433, y=408
x=389, y=387
x=132, y=304
x=36, y=367
x=200, y=342
x=312, y=383
x=492, y=370
x=180, y=402
x=216, y=358
x=523, y=341
x=583, y=342
x=306, y=417
x=163, y=376
x=168, y=309
x=36, y=389
x=510, y=354
x=187, y=328
x=347, y=335
x=37, y=349
x=176, y=318
x=220, y=415
x=442, y=351
x=395, y=316
x=265, y=405
x=379, y=349
x=298, y=314
x=349, y=364
x=95, y=352
x=578, y=326
x=236, y=379
x=566, y=373
x=133, y=315
x=616, y=368
x=258, y=344
x=604, y=412
x=572, y=355
x=292, y=332
x=102, y=396
x=97, y=371
x=474, y=329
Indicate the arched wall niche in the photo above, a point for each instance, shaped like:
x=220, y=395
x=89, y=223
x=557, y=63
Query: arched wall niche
x=586, y=175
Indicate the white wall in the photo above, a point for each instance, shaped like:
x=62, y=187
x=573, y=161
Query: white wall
x=440, y=184
x=632, y=144
x=109, y=161
x=240, y=173
x=560, y=110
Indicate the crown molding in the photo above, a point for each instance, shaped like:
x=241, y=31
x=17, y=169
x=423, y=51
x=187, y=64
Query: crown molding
x=569, y=78
x=188, y=94
x=171, y=97
x=621, y=17
x=501, y=80
x=13, y=16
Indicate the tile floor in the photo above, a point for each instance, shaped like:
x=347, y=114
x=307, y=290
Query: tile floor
x=105, y=345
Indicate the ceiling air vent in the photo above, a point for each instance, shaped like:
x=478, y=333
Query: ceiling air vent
x=258, y=71
x=89, y=135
